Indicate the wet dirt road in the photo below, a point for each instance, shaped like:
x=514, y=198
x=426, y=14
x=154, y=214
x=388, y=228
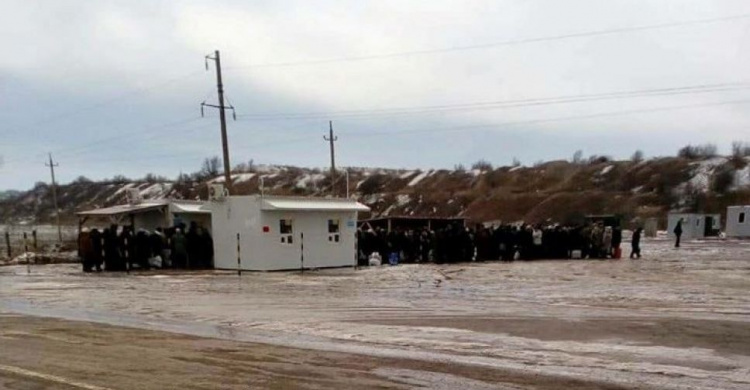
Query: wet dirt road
x=677, y=319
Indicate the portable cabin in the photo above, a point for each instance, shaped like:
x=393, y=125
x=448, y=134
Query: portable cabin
x=737, y=221
x=264, y=233
x=694, y=225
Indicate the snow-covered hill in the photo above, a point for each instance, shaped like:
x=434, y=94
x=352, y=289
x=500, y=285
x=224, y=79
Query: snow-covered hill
x=557, y=190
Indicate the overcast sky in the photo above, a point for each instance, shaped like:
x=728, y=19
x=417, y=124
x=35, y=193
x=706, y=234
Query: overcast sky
x=114, y=87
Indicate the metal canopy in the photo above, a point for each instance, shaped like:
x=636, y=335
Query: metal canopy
x=123, y=209
x=308, y=204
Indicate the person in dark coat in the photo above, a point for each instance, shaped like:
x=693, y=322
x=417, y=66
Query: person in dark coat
x=678, y=233
x=193, y=246
x=207, y=248
x=636, y=244
x=111, y=251
x=179, y=249
x=85, y=249
x=616, y=240
x=142, y=249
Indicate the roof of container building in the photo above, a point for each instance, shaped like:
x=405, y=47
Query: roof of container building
x=312, y=204
x=188, y=207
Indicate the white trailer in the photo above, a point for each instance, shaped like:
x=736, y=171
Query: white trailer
x=694, y=226
x=737, y=221
x=282, y=233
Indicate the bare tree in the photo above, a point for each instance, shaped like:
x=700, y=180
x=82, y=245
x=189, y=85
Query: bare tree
x=211, y=166
x=637, y=156
x=482, y=165
x=578, y=157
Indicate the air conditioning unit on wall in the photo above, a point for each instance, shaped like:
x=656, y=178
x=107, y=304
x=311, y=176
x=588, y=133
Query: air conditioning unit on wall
x=217, y=192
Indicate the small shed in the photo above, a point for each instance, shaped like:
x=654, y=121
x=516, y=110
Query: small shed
x=152, y=214
x=737, y=221
x=694, y=225
x=282, y=233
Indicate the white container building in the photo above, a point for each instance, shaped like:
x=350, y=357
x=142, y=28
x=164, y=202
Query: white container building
x=282, y=233
x=737, y=221
x=694, y=226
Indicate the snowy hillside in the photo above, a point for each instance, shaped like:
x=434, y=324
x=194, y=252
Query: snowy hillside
x=557, y=190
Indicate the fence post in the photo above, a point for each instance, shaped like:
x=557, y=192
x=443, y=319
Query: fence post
x=33, y=235
x=126, y=242
x=26, y=253
x=302, y=252
x=239, y=262
x=7, y=243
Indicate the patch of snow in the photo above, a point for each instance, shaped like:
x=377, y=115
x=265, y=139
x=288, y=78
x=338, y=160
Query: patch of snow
x=515, y=168
x=637, y=189
x=702, y=172
x=371, y=199
x=406, y=175
x=359, y=183
x=263, y=168
x=308, y=180
x=124, y=188
x=402, y=199
x=242, y=177
x=120, y=191
x=476, y=172
x=420, y=177
x=606, y=170
x=742, y=177
x=156, y=190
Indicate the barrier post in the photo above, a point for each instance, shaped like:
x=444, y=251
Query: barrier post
x=26, y=253
x=7, y=244
x=239, y=262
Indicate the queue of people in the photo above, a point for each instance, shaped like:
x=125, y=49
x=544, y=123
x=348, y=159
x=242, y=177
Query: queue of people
x=123, y=248
x=506, y=242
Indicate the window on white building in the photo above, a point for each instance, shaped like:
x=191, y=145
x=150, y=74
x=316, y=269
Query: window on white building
x=286, y=229
x=741, y=218
x=334, y=230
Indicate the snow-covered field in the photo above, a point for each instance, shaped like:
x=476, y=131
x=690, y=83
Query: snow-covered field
x=676, y=319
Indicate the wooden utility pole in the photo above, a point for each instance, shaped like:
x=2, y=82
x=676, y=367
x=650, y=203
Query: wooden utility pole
x=52, y=166
x=331, y=139
x=223, y=118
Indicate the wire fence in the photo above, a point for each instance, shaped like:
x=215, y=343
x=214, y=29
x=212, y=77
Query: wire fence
x=17, y=240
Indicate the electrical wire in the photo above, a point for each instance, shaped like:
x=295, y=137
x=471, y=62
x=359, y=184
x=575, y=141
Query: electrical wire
x=511, y=42
x=502, y=104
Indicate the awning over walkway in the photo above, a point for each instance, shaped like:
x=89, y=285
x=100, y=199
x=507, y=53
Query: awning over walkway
x=123, y=209
x=311, y=204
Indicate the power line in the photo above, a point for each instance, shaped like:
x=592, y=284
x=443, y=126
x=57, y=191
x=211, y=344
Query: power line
x=473, y=127
x=708, y=88
x=499, y=44
x=558, y=119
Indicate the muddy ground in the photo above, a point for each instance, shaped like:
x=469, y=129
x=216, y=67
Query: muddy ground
x=677, y=319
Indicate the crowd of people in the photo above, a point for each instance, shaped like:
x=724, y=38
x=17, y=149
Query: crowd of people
x=506, y=242
x=123, y=248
